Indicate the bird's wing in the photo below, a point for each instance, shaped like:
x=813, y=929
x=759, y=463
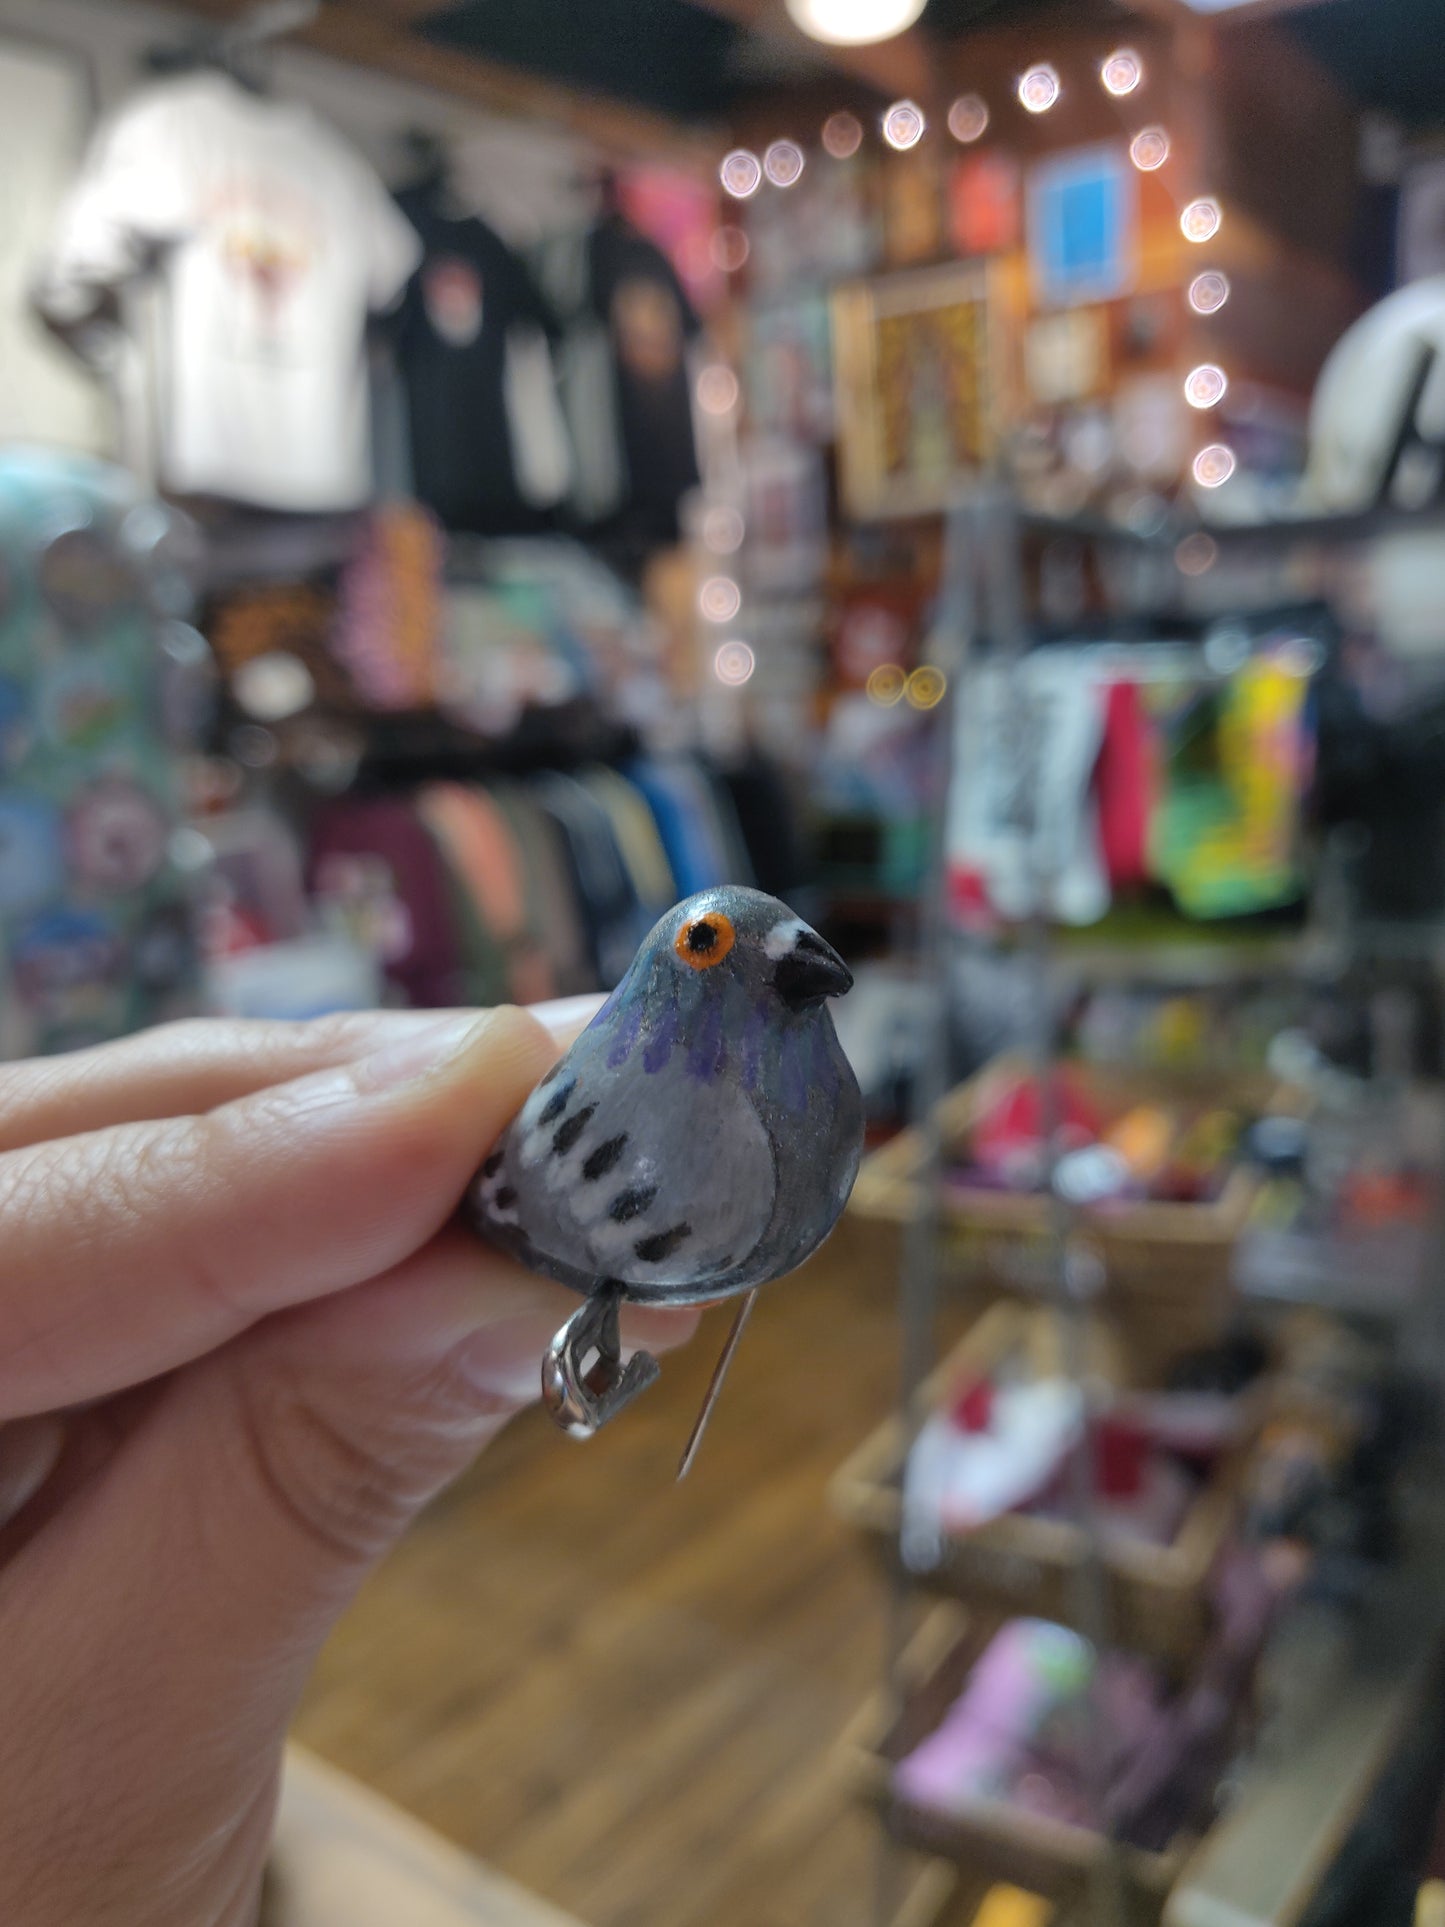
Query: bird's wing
x=660, y=1179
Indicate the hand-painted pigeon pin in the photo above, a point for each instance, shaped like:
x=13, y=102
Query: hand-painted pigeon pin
x=700, y=1138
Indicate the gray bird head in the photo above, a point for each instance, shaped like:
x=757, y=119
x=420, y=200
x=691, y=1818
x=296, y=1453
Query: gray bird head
x=730, y=938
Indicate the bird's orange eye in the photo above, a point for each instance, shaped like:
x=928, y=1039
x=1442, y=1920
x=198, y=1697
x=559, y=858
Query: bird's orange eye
x=705, y=941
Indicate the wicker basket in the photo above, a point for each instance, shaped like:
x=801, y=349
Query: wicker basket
x=1165, y=1267
x=1155, y=1595
x=996, y=1840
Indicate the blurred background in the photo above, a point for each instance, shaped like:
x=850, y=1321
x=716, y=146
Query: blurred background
x=472, y=474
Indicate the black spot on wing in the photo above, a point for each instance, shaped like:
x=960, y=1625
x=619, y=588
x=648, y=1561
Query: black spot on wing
x=566, y=1135
x=492, y=1165
x=603, y=1158
x=505, y=1198
x=628, y=1205
x=557, y=1103
x=662, y=1244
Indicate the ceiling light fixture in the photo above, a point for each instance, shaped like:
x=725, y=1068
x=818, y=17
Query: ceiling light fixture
x=853, y=23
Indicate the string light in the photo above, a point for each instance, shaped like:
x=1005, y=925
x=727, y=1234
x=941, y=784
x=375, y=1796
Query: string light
x=1204, y=386
x=1208, y=292
x=1214, y=465
x=842, y=135
x=720, y=598
x=903, y=125
x=886, y=685
x=1122, y=72
x=924, y=688
x=1200, y=220
x=729, y=248
x=1196, y=553
x=734, y=663
x=1149, y=149
x=968, y=118
x=741, y=173
x=717, y=389
x=1039, y=88
x=722, y=530
x=783, y=163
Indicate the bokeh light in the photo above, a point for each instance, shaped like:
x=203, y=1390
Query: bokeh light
x=924, y=688
x=720, y=598
x=842, y=135
x=1214, y=465
x=1205, y=386
x=783, y=163
x=1200, y=220
x=886, y=684
x=741, y=173
x=1039, y=88
x=717, y=389
x=1196, y=553
x=1149, y=149
x=968, y=118
x=722, y=529
x=1122, y=72
x=734, y=663
x=903, y=125
x=1208, y=292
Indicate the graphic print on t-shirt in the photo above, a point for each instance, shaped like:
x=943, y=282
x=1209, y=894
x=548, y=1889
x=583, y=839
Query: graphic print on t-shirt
x=647, y=323
x=452, y=291
x=268, y=237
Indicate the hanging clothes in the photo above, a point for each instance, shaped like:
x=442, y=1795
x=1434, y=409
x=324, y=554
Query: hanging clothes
x=489, y=449
x=271, y=241
x=378, y=873
x=478, y=841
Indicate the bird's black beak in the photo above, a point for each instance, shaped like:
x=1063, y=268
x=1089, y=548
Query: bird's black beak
x=809, y=972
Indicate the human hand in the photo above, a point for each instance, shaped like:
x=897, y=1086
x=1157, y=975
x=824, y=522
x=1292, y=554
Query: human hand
x=240, y=1346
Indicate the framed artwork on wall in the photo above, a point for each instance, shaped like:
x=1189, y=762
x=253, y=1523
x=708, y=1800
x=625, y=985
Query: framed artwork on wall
x=914, y=366
x=1083, y=219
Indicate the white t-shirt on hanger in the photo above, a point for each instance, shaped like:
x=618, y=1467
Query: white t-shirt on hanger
x=271, y=240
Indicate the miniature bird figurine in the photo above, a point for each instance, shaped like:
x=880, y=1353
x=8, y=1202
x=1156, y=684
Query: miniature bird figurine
x=700, y=1138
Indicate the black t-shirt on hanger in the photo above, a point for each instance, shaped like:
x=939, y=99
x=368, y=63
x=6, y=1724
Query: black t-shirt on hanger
x=637, y=293
x=462, y=305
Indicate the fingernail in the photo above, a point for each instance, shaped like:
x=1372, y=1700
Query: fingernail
x=504, y=1361
x=426, y=1050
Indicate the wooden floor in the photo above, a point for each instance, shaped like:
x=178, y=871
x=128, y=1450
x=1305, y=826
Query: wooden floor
x=623, y=1692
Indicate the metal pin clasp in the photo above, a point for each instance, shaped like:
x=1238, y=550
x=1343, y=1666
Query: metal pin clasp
x=584, y=1381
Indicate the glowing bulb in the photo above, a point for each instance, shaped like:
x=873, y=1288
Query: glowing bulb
x=1149, y=149
x=854, y=23
x=903, y=125
x=1196, y=553
x=717, y=390
x=886, y=685
x=741, y=173
x=1200, y=220
x=1204, y=386
x=722, y=530
x=924, y=688
x=720, y=598
x=1122, y=72
x=842, y=135
x=1213, y=465
x=734, y=663
x=967, y=118
x=783, y=163
x=1208, y=292
x=1039, y=88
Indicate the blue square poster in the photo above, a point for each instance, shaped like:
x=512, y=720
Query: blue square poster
x=1082, y=221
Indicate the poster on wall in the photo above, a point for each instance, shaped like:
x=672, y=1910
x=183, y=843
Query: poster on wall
x=912, y=365
x=1083, y=219
x=983, y=203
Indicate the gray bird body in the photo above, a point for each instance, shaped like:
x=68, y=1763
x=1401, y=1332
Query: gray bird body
x=703, y=1133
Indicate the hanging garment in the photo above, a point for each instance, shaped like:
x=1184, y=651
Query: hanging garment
x=627, y=325
x=379, y=875
x=553, y=911
x=489, y=450
x=271, y=241
x=95, y=925
x=616, y=921
x=479, y=844
x=635, y=830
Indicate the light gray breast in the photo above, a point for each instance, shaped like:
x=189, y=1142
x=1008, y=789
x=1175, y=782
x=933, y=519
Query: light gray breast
x=659, y=1179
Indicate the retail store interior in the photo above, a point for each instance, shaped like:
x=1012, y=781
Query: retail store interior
x=475, y=474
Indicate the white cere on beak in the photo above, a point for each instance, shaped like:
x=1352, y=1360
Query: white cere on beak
x=781, y=938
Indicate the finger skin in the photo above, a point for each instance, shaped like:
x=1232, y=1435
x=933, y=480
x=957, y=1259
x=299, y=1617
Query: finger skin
x=186, y=1588
x=133, y=1249
x=181, y=1069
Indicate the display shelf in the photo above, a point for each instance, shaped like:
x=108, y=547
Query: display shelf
x=1261, y=1864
